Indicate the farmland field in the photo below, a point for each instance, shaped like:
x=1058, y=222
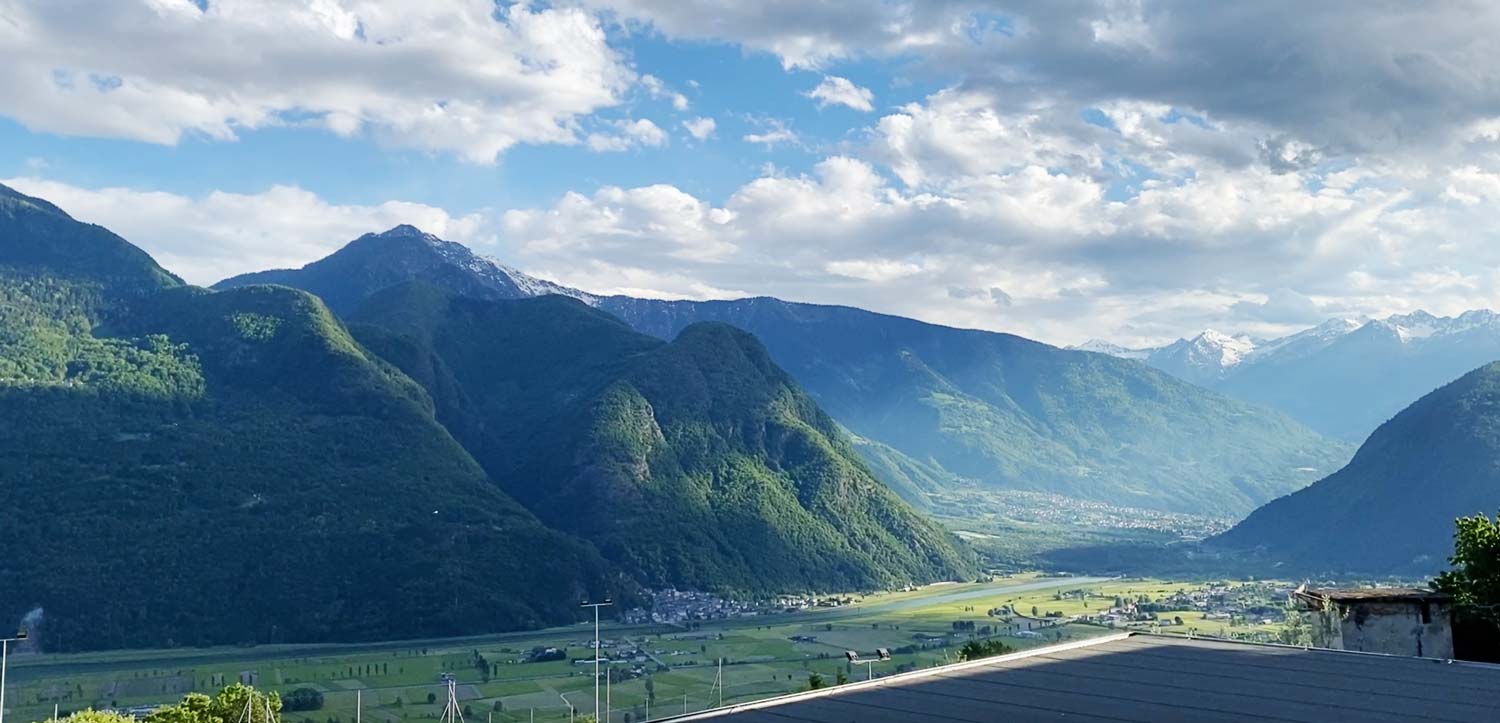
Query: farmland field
x=676, y=668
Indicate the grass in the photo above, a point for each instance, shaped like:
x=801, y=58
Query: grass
x=761, y=659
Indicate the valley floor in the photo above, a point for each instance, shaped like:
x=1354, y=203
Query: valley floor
x=671, y=667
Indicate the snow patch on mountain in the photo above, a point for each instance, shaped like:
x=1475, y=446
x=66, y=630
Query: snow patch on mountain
x=1099, y=346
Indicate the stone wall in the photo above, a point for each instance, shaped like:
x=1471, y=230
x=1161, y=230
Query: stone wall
x=1419, y=629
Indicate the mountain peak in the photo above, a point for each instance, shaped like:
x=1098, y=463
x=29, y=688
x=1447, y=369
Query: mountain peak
x=376, y=261
x=408, y=231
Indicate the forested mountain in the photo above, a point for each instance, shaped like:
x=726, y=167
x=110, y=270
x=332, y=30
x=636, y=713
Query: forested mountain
x=1344, y=377
x=181, y=467
x=1018, y=414
x=697, y=463
x=1391, y=510
x=935, y=404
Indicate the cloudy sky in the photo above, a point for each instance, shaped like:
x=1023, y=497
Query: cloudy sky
x=1135, y=171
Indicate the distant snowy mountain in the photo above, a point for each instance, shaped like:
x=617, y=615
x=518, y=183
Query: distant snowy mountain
x=1100, y=346
x=1343, y=377
x=1205, y=358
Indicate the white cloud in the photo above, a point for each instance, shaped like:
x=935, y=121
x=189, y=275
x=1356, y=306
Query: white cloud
x=958, y=133
x=659, y=90
x=459, y=76
x=1126, y=169
x=701, y=128
x=207, y=238
x=840, y=91
x=773, y=132
x=873, y=269
x=1047, y=253
x=625, y=135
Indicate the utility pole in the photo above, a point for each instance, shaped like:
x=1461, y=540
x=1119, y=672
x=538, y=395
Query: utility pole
x=451, y=713
x=4, y=653
x=596, y=607
x=359, y=705
x=719, y=681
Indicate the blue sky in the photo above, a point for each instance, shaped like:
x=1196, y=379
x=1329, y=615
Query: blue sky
x=1134, y=170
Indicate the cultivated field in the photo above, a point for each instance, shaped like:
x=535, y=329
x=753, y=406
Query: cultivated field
x=763, y=656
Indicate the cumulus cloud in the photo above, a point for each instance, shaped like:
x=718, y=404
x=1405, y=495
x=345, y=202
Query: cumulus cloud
x=459, y=76
x=1047, y=253
x=207, y=238
x=625, y=134
x=840, y=91
x=701, y=127
x=1344, y=76
x=773, y=132
x=1135, y=170
x=659, y=90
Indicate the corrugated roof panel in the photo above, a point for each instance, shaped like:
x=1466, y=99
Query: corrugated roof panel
x=1153, y=678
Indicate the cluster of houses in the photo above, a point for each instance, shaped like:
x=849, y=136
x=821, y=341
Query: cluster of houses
x=1223, y=604
x=677, y=607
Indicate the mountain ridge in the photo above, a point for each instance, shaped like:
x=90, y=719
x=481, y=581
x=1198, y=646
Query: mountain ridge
x=1004, y=420
x=184, y=447
x=1345, y=377
x=671, y=456
x=1391, y=509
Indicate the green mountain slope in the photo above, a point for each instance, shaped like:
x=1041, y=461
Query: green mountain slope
x=181, y=467
x=1391, y=510
x=1017, y=414
x=952, y=407
x=696, y=463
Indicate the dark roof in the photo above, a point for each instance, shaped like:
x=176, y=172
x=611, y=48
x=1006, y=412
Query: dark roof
x=1152, y=679
x=1414, y=594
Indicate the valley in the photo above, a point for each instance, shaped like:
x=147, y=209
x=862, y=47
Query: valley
x=764, y=655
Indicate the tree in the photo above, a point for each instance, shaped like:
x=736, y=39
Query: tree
x=815, y=681
x=97, y=716
x=1033, y=611
x=650, y=690
x=225, y=707
x=1474, y=581
x=303, y=699
x=840, y=678
x=431, y=698
x=1294, y=628
x=976, y=649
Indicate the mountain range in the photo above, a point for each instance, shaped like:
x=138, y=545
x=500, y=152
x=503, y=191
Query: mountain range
x=1344, y=377
x=931, y=406
x=193, y=467
x=1391, y=510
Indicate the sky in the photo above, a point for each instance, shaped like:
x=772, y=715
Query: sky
x=1135, y=171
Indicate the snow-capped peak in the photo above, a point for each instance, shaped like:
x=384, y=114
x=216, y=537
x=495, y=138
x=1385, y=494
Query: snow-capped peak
x=1100, y=346
x=533, y=286
x=1420, y=325
x=1310, y=340
x=1222, y=349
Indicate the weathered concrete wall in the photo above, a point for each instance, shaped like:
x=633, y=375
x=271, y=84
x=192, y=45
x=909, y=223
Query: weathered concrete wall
x=1397, y=628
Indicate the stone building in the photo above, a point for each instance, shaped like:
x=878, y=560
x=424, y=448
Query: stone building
x=1391, y=620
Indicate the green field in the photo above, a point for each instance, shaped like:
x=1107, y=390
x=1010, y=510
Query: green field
x=401, y=681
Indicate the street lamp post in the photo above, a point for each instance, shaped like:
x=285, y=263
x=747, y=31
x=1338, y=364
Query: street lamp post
x=596, y=607
x=881, y=654
x=4, y=655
